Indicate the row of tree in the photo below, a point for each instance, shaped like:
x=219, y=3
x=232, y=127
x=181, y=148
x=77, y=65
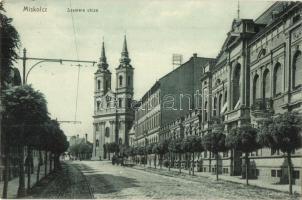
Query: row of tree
x=81, y=150
x=112, y=148
x=26, y=124
x=281, y=133
x=23, y=114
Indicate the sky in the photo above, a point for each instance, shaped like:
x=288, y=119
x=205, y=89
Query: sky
x=155, y=30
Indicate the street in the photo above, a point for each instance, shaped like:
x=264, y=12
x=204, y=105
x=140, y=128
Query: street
x=115, y=182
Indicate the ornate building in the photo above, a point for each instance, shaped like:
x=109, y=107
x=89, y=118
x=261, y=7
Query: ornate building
x=113, y=115
x=256, y=75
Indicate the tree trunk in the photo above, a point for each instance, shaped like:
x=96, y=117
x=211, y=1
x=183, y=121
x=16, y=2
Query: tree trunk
x=45, y=160
x=6, y=171
x=216, y=166
x=193, y=164
x=247, y=168
x=57, y=162
x=50, y=162
x=289, y=165
x=179, y=163
x=39, y=165
x=161, y=161
x=170, y=161
x=210, y=162
x=155, y=161
x=21, y=188
x=189, y=162
x=28, y=167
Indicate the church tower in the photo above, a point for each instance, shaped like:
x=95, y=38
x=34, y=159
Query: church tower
x=113, y=115
x=102, y=75
x=102, y=86
x=124, y=93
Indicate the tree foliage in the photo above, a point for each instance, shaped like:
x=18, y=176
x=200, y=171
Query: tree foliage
x=243, y=139
x=282, y=132
x=10, y=42
x=214, y=142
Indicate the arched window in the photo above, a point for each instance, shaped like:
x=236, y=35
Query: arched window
x=107, y=132
x=277, y=79
x=225, y=97
x=219, y=104
x=99, y=84
x=128, y=80
x=106, y=84
x=256, y=88
x=236, y=86
x=297, y=70
x=120, y=80
x=206, y=111
x=266, y=84
x=215, y=106
x=97, y=105
x=119, y=102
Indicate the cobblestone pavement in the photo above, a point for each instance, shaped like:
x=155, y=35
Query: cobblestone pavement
x=116, y=182
x=69, y=183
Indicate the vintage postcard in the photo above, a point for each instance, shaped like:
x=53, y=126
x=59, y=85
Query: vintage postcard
x=150, y=99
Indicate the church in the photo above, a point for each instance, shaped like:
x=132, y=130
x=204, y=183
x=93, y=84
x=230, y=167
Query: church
x=113, y=114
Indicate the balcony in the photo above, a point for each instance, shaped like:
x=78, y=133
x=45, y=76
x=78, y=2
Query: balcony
x=262, y=108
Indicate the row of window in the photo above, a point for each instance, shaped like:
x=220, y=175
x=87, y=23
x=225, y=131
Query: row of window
x=278, y=173
x=277, y=79
x=151, y=103
x=112, y=104
x=148, y=124
x=120, y=83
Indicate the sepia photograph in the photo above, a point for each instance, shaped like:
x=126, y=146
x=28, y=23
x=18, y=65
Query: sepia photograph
x=151, y=99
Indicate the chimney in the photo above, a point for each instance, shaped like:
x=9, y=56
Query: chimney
x=194, y=55
x=86, y=137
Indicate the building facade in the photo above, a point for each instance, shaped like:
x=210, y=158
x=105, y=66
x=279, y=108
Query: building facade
x=171, y=97
x=113, y=114
x=256, y=75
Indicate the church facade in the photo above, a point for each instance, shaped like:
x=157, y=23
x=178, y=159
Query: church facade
x=113, y=115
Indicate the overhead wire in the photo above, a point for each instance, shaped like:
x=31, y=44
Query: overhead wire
x=77, y=54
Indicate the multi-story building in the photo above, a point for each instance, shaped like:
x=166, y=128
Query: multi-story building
x=256, y=75
x=113, y=113
x=171, y=97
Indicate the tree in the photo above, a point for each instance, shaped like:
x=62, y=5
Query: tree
x=177, y=147
x=8, y=54
x=10, y=42
x=150, y=150
x=215, y=143
x=155, y=151
x=162, y=150
x=141, y=151
x=283, y=133
x=186, y=146
x=196, y=146
x=25, y=109
x=243, y=139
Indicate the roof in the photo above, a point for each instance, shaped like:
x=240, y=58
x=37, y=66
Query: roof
x=266, y=16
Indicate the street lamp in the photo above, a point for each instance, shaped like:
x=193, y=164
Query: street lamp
x=41, y=60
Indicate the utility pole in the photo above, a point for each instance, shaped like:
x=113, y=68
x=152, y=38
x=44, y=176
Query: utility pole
x=24, y=65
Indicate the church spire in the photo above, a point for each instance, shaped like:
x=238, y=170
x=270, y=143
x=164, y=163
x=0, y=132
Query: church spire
x=103, y=60
x=125, y=60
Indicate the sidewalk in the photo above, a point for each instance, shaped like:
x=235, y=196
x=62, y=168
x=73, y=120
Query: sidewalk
x=234, y=179
x=14, y=183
